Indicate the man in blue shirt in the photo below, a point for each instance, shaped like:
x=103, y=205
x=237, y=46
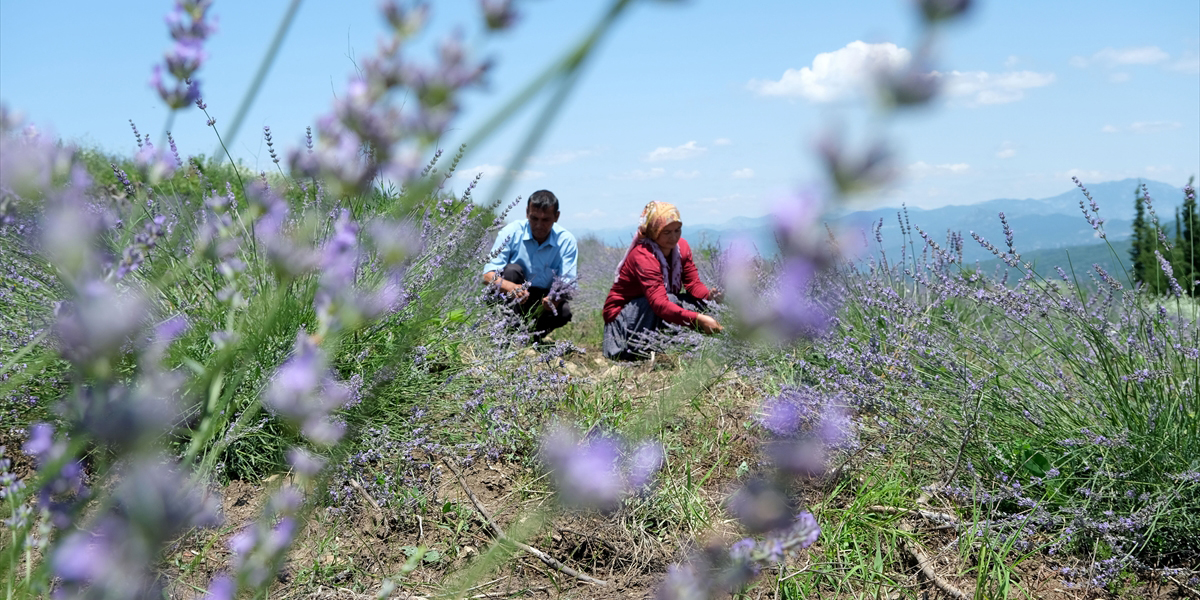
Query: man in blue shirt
x=533, y=261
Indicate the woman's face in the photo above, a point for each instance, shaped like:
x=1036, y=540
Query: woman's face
x=668, y=236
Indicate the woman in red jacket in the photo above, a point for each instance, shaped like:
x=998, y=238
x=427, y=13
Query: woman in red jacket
x=657, y=282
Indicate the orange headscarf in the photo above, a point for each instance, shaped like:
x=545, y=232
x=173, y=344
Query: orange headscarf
x=655, y=216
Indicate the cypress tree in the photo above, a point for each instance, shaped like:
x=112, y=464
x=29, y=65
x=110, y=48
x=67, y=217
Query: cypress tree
x=1137, y=248
x=1189, y=241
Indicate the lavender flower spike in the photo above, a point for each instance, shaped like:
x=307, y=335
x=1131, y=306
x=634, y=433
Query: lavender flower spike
x=585, y=471
x=304, y=392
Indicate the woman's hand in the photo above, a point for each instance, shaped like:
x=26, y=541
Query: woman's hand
x=708, y=324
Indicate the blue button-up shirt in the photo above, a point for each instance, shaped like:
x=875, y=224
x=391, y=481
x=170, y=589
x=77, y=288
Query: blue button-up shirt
x=555, y=256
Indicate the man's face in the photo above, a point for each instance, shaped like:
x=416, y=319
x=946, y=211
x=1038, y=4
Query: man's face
x=540, y=222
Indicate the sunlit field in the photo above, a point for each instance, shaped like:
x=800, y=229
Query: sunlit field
x=218, y=382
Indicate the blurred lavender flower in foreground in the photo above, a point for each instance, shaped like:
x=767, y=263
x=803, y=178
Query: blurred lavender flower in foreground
x=92, y=328
x=361, y=138
x=936, y=11
x=854, y=174
x=499, y=14
x=804, y=425
x=115, y=555
x=156, y=163
x=259, y=548
x=64, y=491
x=590, y=473
x=304, y=392
x=339, y=302
x=30, y=160
x=189, y=29
x=791, y=310
x=717, y=572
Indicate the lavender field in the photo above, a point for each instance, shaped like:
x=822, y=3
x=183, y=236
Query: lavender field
x=222, y=382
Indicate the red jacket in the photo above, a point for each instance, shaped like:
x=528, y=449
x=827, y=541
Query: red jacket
x=641, y=275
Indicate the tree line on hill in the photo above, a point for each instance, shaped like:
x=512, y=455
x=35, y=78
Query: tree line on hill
x=1162, y=252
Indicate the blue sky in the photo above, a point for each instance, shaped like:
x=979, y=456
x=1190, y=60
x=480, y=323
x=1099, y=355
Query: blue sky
x=712, y=105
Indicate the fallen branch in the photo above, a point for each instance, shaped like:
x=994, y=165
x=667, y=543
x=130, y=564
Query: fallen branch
x=926, y=565
x=1184, y=585
x=945, y=519
x=521, y=591
x=382, y=519
x=546, y=558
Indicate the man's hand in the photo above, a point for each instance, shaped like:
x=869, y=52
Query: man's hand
x=708, y=324
x=548, y=305
x=516, y=290
x=716, y=295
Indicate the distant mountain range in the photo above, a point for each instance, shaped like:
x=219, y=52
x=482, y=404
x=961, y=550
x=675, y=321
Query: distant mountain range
x=1038, y=224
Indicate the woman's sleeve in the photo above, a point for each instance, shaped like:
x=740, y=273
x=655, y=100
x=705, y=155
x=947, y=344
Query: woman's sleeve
x=691, y=275
x=648, y=272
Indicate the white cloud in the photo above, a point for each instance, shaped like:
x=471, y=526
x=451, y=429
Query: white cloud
x=640, y=175
x=1011, y=61
x=1087, y=175
x=722, y=142
x=560, y=158
x=746, y=173
x=1006, y=150
x=1119, y=77
x=1153, y=126
x=688, y=150
x=982, y=87
x=495, y=171
x=1188, y=65
x=835, y=75
x=1141, y=55
x=1159, y=170
x=921, y=169
x=686, y=174
x=1117, y=57
x=846, y=72
x=1143, y=127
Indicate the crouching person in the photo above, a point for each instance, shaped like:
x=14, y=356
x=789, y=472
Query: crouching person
x=657, y=282
x=534, y=262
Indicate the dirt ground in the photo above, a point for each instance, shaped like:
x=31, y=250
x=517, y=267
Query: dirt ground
x=348, y=556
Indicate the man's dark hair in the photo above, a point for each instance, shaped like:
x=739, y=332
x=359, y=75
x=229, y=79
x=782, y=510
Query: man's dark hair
x=543, y=200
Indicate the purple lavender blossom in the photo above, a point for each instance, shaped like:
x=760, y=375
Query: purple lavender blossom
x=304, y=392
x=683, y=582
x=30, y=160
x=189, y=29
x=222, y=587
x=114, y=556
x=305, y=462
x=258, y=550
x=645, y=462
x=761, y=506
x=914, y=85
x=590, y=473
x=499, y=14
x=95, y=325
x=853, y=174
x=586, y=471
x=936, y=11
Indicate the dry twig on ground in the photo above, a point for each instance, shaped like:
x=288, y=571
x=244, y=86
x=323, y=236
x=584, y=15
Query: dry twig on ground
x=500, y=535
x=926, y=565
